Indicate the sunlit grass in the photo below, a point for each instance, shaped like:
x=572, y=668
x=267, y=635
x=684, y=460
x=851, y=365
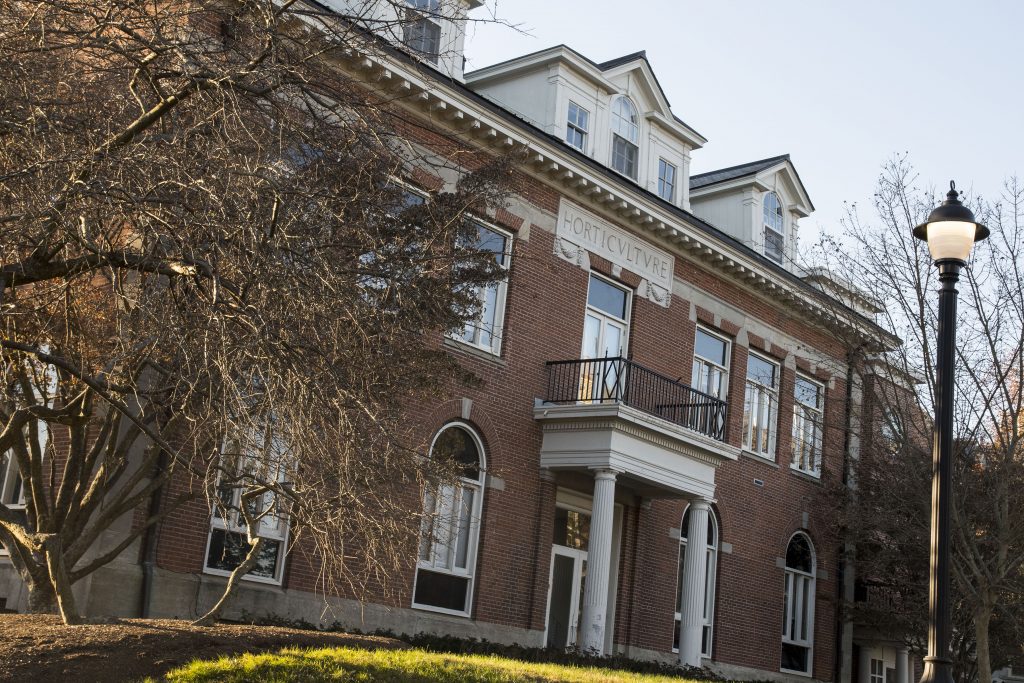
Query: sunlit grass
x=407, y=666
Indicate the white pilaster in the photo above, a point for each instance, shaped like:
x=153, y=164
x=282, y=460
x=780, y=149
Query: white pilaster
x=902, y=665
x=691, y=625
x=599, y=561
x=864, y=665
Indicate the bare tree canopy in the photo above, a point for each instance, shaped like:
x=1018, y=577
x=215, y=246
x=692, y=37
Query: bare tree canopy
x=214, y=283
x=888, y=517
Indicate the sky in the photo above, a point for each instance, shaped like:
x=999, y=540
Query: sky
x=840, y=86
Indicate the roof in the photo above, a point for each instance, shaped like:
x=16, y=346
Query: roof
x=733, y=172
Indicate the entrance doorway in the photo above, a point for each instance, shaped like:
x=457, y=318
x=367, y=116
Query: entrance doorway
x=568, y=570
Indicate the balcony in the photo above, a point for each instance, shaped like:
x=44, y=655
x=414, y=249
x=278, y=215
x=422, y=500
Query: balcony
x=664, y=437
x=619, y=380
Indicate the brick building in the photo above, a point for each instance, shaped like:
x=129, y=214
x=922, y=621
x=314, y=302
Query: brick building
x=663, y=392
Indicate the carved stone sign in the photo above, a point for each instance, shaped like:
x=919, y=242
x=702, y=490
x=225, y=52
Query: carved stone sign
x=579, y=231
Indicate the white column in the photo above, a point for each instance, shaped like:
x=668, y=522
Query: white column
x=864, y=665
x=599, y=562
x=902, y=665
x=691, y=625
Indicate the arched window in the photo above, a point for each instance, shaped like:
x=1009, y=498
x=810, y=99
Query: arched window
x=711, y=565
x=774, y=230
x=798, y=610
x=451, y=526
x=625, y=137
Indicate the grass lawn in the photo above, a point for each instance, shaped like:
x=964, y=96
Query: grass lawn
x=414, y=666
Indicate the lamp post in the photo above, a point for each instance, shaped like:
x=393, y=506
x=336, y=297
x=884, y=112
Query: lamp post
x=950, y=232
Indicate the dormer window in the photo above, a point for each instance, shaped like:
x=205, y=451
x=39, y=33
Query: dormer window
x=625, y=137
x=422, y=32
x=577, y=126
x=774, y=235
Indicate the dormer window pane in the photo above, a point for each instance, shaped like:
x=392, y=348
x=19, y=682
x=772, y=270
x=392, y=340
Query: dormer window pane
x=774, y=236
x=422, y=33
x=625, y=136
x=577, y=126
x=666, y=180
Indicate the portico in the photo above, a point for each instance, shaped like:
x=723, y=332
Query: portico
x=652, y=455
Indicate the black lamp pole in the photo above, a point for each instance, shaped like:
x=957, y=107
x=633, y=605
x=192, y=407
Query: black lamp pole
x=950, y=232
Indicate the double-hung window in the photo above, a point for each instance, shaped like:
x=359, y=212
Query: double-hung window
x=711, y=566
x=760, y=406
x=228, y=542
x=625, y=138
x=774, y=230
x=877, y=671
x=666, y=180
x=450, y=526
x=422, y=28
x=484, y=330
x=808, y=407
x=711, y=377
x=798, y=608
x=577, y=126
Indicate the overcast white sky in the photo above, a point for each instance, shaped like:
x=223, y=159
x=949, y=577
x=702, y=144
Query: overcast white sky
x=840, y=86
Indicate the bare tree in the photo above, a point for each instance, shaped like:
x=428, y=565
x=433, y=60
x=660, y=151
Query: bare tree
x=213, y=282
x=889, y=512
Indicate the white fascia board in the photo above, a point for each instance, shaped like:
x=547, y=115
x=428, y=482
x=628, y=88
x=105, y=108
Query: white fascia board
x=803, y=205
x=691, y=137
x=514, y=67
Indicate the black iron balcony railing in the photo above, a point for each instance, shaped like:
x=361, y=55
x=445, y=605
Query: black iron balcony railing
x=619, y=380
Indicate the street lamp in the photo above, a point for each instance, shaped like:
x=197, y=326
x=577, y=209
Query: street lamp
x=950, y=231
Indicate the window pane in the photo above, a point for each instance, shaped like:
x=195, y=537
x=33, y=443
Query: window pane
x=572, y=529
x=761, y=371
x=441, y=590
x=228, y=549
x=799, y=555
x=794, y=657
x=491, y=241
x=465, y=526
x=710, y=347
x=606, y=297
x=457, y=444
x=808, y=393
x=774, y=245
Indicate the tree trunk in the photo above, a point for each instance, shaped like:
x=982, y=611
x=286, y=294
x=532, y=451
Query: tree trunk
x=41, y=598
x=54, y=550
x=982, y=617
x=210, y=618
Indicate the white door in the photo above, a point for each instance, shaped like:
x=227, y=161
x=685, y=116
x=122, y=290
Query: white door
x=565, y=595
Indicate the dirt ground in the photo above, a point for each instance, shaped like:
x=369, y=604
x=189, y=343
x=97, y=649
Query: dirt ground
x=40, y=649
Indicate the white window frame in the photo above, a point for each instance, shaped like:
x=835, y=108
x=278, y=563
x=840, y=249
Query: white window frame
x=469, y=571
x=702, y=365
x=806, y=418
x=273, y=527
x=423, y=12
x=711, y=566
x=780, y=231
x=878, y=677
x=572, y=126
x=753, y=387
x=501, y=293
x=793, y=604
x=663, y=182
x=628, y=132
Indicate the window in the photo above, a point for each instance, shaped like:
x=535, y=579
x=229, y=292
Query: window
x=666, y=180
x=625, y=137
x=605, y=335
x=760, y=406
x=12, y=493
x=484, y=331
x=774, y=237
x=798, y=610
x=808, y=405
x=451, y=526
x=422, y=31
x=228, y=543
x=710, y=364
x=709, y=583
x=877, y=671
x=577, y=126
